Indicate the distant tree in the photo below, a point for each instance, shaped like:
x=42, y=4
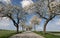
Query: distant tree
x=23, y=24
x=35, y=21
x=28, y=27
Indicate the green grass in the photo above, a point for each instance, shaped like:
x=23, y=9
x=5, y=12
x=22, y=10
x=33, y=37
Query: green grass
x=55, y=32
x=7, y=33
x=48, y=35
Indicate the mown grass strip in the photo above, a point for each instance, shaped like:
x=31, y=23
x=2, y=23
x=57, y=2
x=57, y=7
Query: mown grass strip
x=47, y=35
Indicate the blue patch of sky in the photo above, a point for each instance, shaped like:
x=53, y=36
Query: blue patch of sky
x=16, y=2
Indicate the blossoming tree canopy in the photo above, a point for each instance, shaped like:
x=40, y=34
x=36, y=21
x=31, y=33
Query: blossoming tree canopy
x=35, y=20
x=6, y=1
x=54, y=6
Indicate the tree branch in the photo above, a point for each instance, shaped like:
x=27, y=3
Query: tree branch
x=41, y=15
x=12, y=20
x=17, y=18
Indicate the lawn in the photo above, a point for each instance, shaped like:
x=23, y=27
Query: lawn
x=6, y=33
x=56, y=33
x=48, y=35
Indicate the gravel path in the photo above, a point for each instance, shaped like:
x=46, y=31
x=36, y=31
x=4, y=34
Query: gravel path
x=27, y=35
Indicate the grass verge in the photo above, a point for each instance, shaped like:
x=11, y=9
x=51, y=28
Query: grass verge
x=47, y=35
x=7, y=33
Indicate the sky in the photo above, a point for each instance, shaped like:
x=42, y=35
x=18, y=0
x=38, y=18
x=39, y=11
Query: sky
x=6, y=23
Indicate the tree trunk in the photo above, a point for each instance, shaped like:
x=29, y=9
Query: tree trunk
x=22, y=28
x=44, y=30
x=17, y=28
x=34, y=28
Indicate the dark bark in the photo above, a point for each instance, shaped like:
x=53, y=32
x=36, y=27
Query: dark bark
x=17, y=28
x=44, y=30
x=41, y=16
x=49, y=19
x=9, y=16
x=14, y=22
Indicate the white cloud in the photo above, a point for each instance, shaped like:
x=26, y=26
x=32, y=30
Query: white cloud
x=39, y=28
x=53, y=25
x=58, y=22
x=4, y=24
x=26, y=3
x=4, y=21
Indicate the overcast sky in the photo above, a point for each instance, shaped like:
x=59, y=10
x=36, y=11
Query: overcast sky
x=6, y=23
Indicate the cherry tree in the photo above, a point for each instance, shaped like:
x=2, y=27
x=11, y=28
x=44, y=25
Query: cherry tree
x=15, y=13
x=35, y=21
x=46, y=9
